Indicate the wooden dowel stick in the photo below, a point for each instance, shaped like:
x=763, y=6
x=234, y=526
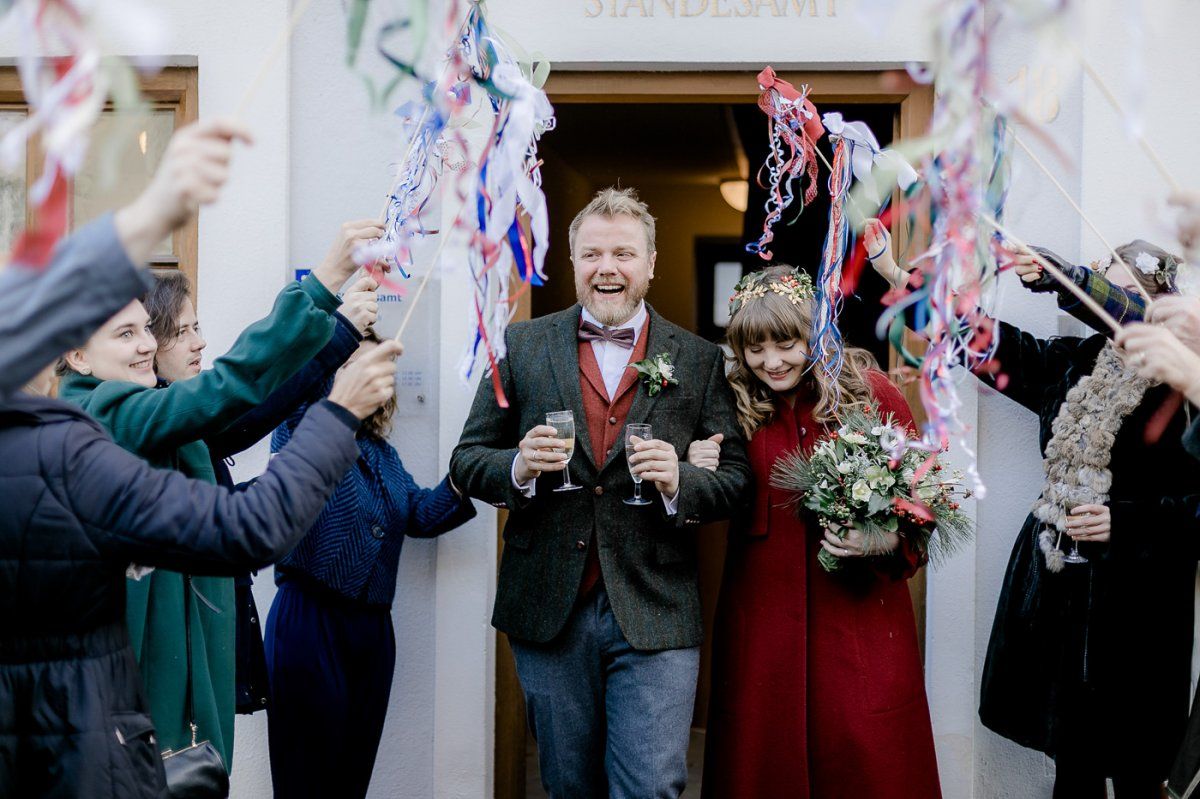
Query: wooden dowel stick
x=1057, y=274
x=272, y=56
x=1137, y=284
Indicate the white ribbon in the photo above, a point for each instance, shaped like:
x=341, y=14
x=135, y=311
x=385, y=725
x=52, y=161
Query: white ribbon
x=866, y=154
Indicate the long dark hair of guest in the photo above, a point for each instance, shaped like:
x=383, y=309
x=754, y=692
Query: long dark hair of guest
x=379, y=424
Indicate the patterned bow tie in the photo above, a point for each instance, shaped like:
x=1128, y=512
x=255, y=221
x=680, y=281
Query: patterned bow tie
x=621, y=336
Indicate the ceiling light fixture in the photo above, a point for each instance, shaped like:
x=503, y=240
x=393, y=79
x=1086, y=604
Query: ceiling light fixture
x=736, y=193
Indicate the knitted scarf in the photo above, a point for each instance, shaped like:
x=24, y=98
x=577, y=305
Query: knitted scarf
x=1077, y=457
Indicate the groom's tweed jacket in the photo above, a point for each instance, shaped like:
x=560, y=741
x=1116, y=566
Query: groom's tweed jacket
x=647, y=558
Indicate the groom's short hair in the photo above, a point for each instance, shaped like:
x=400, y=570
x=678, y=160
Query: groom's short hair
x=613, y=202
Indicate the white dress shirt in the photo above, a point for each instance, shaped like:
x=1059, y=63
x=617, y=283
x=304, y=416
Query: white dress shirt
x=613, y=360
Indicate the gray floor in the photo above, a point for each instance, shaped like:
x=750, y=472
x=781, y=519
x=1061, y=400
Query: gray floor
x=533, y=782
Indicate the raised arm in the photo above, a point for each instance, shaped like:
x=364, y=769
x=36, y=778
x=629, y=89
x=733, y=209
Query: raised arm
x=1122, y=304
x=1028, y=365
x=161, y=518
x=264, y=356
x=158, y=517
x=301, y=388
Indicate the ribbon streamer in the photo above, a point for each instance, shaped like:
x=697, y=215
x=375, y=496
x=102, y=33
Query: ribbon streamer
x=794, y=128
x=503, y=209
x=855, y=157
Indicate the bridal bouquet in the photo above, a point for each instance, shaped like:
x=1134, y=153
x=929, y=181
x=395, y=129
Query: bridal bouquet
x=862, y=476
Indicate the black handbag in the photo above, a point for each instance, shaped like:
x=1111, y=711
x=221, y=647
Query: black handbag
x=196, y=771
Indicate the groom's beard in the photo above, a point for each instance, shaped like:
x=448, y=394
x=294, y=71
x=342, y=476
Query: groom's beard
x=606, y=311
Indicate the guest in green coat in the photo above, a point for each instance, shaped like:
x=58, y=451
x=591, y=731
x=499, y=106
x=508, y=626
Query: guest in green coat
x=112, y=378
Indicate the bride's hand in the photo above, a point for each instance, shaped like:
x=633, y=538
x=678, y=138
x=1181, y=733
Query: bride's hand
x=854, y=543
x=878, y=242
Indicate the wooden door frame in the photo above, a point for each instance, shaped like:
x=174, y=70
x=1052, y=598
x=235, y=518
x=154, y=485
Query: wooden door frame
x=610, y=86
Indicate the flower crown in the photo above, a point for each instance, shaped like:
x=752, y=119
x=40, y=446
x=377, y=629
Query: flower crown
x=794, y=286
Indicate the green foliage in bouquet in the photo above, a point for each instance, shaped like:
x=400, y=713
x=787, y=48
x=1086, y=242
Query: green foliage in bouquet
x=852, y=479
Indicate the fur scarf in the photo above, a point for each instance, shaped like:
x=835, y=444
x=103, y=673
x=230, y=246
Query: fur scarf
x=1078, y=455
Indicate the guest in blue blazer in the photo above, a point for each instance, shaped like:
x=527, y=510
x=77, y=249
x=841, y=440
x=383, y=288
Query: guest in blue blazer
x=330, y=646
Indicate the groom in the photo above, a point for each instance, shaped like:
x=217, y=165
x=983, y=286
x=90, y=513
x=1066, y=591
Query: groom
x=599, y=597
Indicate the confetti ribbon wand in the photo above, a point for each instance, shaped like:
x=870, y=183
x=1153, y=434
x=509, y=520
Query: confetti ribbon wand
x=793, y=128
x=502, y=199
x=66, y=83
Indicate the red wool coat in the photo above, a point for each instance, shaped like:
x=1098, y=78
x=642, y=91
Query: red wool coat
x=818, y=691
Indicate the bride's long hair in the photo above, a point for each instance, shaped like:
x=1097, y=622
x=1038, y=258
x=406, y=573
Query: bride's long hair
x=774, y=316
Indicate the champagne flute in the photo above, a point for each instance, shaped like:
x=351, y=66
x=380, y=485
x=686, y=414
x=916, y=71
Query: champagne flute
x=632, y=431
x=563, y=423
x=1075, y=556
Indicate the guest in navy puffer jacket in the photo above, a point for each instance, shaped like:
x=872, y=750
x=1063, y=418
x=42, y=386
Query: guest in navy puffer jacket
x=330, y=646
x=74, y=720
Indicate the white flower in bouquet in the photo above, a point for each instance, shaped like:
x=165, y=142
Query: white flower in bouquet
x=880, y=477
x=860, y=491
x=845, y=467
x=854, y=438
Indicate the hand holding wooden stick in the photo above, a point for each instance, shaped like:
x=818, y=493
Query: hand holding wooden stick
x=1057, y=274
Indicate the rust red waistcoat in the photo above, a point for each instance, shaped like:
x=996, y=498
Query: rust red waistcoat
x=606, y=422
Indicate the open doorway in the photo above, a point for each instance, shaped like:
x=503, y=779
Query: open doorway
x=676, y=138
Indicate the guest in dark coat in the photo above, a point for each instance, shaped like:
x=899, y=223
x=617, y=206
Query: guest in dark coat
x=1092, y=664
x=1167, y=352
x=330, y=645
x=74, y=720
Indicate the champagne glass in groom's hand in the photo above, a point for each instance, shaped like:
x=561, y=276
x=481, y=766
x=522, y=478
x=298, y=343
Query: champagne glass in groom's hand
x=634, y=435
x=563, y=423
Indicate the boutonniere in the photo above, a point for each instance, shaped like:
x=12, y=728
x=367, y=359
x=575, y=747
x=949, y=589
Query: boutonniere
x=657, y=373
